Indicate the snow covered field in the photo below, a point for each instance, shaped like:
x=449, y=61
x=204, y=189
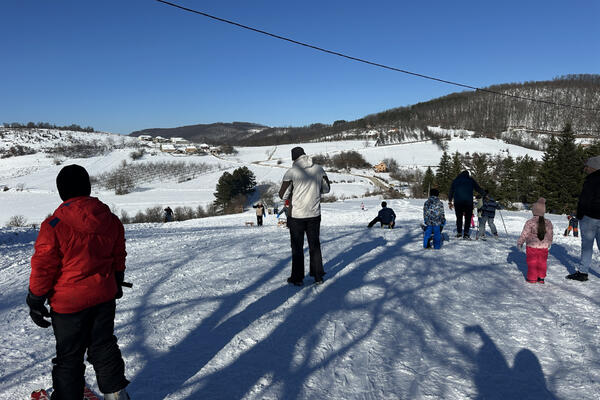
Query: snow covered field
x=210, y=315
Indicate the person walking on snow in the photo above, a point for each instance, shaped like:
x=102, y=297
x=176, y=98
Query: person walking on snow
x=260, y=213
x=385, y=216
x=303, y=185
x=588, y=214
x=488, y=212
x=434, y=219
x=78, y=267
x=573, y=224
x=460, y=198
x=537, y=234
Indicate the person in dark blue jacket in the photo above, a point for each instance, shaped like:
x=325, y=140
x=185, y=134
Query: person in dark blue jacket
x=386, y=216
x=460, y=199
x=488, y=212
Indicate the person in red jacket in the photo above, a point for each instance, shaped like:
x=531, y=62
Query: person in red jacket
x=78, y=267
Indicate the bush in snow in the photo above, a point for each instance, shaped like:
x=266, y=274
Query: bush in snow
x=17, y=221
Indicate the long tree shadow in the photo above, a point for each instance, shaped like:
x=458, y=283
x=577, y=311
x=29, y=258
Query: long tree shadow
x=191, y=354
x=496, y=380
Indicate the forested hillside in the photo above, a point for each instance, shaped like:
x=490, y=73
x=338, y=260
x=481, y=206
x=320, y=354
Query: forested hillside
x=487, y=114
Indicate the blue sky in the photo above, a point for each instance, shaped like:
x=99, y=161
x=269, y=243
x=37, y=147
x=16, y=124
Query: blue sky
x=121, y=66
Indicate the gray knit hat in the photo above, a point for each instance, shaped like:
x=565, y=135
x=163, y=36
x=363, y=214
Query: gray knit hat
x=593, y=162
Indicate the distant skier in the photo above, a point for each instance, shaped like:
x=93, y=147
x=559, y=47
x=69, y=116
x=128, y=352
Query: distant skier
x=168, y=216
x=385, y=216
x=260, y=213
x=488, y=213
x=434, y=220
x=78, y=267
x=573, y=224
x=537, y=234
x=303, y=185
x=461, y=191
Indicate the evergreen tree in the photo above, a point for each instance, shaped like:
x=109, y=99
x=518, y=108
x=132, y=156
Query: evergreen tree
x=480, y=165
x=525, y=173
x=224, y=191
x=456, y=167
x=561, y=175
x=428, y=181
x=506, y=179
x=443, y=175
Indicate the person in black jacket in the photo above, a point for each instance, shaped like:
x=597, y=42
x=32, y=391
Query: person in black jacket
x=588, y=214
x=461, y=191
x=386, y=216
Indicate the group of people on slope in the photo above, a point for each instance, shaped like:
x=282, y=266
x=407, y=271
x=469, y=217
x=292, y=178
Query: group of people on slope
x=78, y=266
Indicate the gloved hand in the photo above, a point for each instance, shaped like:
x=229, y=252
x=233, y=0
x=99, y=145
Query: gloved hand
x=450, y=205
x=120, y=277
x=37, y=309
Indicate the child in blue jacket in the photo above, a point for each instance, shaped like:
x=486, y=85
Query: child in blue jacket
x=434, y=219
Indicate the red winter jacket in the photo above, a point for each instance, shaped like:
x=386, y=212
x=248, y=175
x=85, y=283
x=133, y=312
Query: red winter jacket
x=77, y=252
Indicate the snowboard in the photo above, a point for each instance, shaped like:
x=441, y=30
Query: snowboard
x=43, y=394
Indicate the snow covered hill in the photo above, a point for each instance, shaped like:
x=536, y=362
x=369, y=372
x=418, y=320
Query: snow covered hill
x=29, y=180
x=210, y=315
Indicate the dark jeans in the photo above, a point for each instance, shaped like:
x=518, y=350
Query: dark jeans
x=377, y=219
x=92, y=330
x=259, y=220
x=463, y=211
x=312, y=227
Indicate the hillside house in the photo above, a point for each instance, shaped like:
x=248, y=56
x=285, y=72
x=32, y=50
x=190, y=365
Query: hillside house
x=191, y=149
x=179, y=140
x=215, y=150
x=381, y=167
x=205, y=147
x=145, y=138
x=160, y=139
x=168, y=148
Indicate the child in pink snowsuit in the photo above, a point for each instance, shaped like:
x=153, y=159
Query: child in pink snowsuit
x=537, y=233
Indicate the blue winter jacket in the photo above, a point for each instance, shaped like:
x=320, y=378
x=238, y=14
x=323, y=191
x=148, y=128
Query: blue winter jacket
x=433, y=212
x=386, y=215
x=489, y=208
x=462, y=188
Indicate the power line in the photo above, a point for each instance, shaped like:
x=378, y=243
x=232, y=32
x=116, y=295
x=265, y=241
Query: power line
x=335, y=53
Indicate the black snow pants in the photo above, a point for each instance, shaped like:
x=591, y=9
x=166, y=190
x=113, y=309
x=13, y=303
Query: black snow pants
x=463, y=210
x=259, y=219
x=92, y=330
x=312, y=227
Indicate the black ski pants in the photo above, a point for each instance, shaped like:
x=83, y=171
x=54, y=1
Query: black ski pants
x=377, y=219
x=259, y=219
x=298, y=227
x=463, y=210
x=92, y=330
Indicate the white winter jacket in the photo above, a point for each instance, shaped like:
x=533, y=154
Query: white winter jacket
x=303, y=185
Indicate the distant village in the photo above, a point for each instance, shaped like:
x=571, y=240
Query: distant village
x=177, y=145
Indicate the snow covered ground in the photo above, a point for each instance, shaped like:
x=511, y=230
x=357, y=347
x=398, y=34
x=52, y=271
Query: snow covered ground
x=210, y=315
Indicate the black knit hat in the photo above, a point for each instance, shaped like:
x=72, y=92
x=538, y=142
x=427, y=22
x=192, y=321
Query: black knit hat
x=297, y=152
x=72, y=181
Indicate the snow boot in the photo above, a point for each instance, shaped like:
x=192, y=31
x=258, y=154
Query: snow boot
x=578, y=276
x=296, y=283
x=120, y=395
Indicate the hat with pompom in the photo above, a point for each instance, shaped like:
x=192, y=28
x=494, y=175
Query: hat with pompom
x=539, y=207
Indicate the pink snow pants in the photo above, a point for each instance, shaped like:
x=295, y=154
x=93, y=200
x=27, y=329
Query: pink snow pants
x=536, y=263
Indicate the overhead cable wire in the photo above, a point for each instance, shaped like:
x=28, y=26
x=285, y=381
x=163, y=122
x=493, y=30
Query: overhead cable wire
x=335, y=53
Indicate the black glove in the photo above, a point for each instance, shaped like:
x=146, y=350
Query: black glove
x=37, y=309
x=120, y=277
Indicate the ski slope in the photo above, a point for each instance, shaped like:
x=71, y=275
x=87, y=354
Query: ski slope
x=210, y=315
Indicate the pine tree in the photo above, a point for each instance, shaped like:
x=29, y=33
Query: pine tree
x=224, y=191
x=560, y=176
x=428, y=181
x=525, y=173
x=456, y=167
x=443, y=175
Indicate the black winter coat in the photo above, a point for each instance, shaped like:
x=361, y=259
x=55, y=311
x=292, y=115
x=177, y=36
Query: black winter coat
x=589, y=199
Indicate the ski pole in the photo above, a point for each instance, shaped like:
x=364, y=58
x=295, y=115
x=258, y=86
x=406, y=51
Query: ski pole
x=501, y=217
x=127, y=284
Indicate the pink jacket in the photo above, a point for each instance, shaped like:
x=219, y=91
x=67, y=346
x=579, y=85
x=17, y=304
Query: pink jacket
x=529, y=234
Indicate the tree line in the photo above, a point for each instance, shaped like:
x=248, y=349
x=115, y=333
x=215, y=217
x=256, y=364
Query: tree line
x=558, y=177
x=47, y=125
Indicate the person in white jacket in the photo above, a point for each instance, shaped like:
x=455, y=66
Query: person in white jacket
x=303, y=185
